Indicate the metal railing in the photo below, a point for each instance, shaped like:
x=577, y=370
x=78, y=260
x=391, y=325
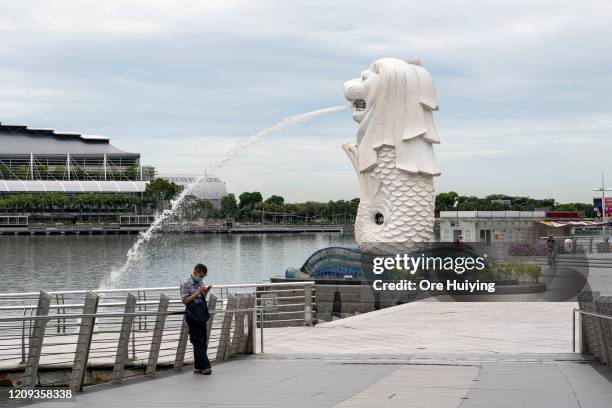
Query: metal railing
x=138, y=329
x=584, y=244
x=580, y=337
x=595, y=318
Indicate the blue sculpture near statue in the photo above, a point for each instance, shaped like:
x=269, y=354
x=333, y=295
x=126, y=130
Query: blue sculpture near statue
x=329, y=263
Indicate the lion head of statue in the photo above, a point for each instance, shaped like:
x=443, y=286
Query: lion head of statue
x=393, y=102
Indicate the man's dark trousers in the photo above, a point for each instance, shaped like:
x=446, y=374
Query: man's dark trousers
x=197, y=336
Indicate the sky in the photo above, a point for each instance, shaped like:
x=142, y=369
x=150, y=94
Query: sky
x=523, y=86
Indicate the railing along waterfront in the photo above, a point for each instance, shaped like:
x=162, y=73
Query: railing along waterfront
x=595, y=326
x=584, y=244
x=79, y=337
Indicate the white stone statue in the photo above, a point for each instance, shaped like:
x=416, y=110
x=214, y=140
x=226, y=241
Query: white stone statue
x=393, y=102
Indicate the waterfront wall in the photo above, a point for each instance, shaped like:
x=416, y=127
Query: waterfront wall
x=98, y=229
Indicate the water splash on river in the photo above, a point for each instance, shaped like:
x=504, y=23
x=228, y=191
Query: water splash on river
x=135, y=252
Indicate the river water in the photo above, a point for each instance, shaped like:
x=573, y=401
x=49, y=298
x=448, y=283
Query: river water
x=29, y=263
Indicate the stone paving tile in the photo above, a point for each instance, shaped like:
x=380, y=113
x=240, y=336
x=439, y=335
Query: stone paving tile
x=252, y=382
x=417, y=386
x=437, y=327
x=535, y=385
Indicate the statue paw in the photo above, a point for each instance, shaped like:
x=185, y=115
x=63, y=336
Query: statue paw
x=352, y=152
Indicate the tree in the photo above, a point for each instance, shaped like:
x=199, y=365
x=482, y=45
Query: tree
x=275, y=199
x=446, y=201
x=587, y=208
x=190, y=208
x=229, y=206
x=207, y=208
x=160, y=190
x=248, y=202
x=250, y=199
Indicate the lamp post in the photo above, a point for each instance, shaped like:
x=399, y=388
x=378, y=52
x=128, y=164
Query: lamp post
x=603, y=190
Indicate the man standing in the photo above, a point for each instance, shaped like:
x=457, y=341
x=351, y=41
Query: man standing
x=193, y=294
x=551, y=244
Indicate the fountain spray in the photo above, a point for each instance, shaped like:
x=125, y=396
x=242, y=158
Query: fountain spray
x=135, y=251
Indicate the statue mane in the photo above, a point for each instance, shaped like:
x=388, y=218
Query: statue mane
x=400, y=114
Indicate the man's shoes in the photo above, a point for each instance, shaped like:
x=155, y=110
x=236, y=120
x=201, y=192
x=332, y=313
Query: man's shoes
x=197, y=371
x=206, y=371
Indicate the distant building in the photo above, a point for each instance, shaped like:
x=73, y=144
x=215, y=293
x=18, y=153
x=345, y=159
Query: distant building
x=36, y=160
x=502, y=202
x=490, y=227
x=210, y=188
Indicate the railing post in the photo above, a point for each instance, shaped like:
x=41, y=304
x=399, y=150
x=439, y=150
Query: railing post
x=261, y=330
x=35, y=341
x=573, y=330
x=146, y=317
x=140, y=310
x=212, y=305
x=224, y=336
x=64, y=312
x=247, y=344
x=181, y=347
x=158, y=332
x=238, y=325
x=251, y=347
x=307, y=305
x=581, y=342
x=124, y=338
x=23, y=336
x=133, y=341
x=83, y=346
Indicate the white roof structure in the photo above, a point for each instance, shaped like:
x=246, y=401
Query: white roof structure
x=72, y=186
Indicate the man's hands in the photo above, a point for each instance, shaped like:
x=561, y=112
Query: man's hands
x=202, y=289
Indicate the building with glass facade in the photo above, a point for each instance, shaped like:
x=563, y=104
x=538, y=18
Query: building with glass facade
x=34, y=160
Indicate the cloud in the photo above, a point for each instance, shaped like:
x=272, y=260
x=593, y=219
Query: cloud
x=523, y=86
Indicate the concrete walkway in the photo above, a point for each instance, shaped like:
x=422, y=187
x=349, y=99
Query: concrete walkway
x=425, y=354
x=436, y=327
x=254, y=382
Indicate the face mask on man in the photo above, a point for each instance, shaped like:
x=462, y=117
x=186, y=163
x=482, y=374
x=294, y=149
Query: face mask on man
x=198, y=280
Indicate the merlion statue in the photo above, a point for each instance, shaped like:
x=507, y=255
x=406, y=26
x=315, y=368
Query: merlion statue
x=393, y=103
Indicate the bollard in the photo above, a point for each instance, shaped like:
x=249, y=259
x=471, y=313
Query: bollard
x=35, y=341
x=124, y=339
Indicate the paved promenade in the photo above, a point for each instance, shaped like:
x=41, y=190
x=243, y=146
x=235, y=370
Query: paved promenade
x=436, y=327
x=425, y=354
